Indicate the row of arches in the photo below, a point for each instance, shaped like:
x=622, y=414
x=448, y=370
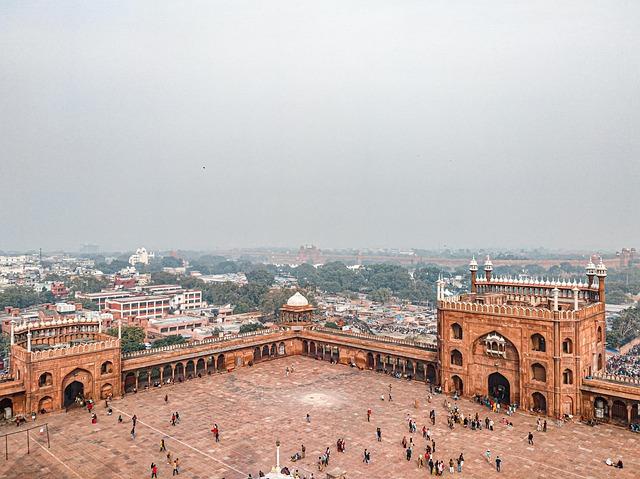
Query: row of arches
x=197, y=367
x=418, y=370
x=616, y=410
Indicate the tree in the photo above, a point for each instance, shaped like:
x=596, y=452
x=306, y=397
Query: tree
x=331, y=324
x=23, y=297
x=169, y=341
x=260, y=276
x=132, y=338
x=381, y=295
x=88, y=284
x=171, y=262
x=624, y=327
x=250, y=327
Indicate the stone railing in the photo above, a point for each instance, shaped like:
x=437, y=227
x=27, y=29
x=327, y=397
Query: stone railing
x=71, y=350
x=224, y=339
x=6, y=377
x=519, y=311
x=374, y=337
x=618, y=378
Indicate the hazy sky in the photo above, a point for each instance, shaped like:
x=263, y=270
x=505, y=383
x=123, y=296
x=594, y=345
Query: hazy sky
x=339, y=123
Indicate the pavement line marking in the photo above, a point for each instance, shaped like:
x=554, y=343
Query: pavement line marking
x=58, y=459
x=185, y=444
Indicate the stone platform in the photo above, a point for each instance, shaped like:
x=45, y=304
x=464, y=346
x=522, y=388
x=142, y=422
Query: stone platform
x=254, y=406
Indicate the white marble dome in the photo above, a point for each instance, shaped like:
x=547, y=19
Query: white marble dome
x=297, y=300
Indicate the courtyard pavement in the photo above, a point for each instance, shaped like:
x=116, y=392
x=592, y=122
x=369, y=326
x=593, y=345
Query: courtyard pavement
x=255, y=406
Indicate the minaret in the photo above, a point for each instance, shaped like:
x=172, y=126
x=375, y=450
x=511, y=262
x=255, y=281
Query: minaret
x=488, y=268
x=13, y=332
x=473, y=269
x=439, y=288
x=591, y=272
x=29, y=340
x=601, y=272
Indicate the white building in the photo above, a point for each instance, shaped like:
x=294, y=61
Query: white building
x=141, y=256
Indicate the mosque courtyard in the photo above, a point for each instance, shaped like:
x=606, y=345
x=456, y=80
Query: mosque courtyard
x=255, y=406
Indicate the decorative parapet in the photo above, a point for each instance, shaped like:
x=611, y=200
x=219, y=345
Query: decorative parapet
x=520, y=311
x=224, y=339
x=71, y=350
x=617, y=378
x=55, y=323
x=374, y=337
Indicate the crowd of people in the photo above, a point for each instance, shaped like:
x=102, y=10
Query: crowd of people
x=626, y=364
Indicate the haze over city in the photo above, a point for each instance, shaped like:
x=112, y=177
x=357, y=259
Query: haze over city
x=357, y=124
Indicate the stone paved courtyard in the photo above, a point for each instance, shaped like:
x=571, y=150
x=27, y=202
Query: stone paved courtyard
x=255, y=406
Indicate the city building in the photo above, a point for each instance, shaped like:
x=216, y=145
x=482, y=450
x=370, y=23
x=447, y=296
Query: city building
x=134, y=309
x=140, y=256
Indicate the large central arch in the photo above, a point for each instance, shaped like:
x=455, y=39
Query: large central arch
x=73, y=390
x=494, y=369
x=78, y=381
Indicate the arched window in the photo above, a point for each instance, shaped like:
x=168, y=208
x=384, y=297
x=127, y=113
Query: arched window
x=567, y=376
x=456, y=331
x=46, y=379
x=538, y=372
x=600, y=361
x=538, y=343
x=106, y=368
x=599, y=334
x=456, y=358
x=567, y=346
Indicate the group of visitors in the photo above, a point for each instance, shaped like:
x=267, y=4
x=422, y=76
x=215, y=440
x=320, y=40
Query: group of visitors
x=626, y=364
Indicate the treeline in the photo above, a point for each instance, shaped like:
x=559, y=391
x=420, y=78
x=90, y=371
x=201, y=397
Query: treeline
x=624, y=327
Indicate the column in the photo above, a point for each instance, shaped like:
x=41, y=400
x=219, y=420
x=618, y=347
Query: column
x=13, y=332
x=629, y=408
x=161, y=374
x=173, y=373
x=137, y=374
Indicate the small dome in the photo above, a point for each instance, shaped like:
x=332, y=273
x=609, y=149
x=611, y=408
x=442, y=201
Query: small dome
x=297, y=300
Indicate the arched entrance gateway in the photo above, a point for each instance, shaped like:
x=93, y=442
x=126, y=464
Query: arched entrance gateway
x=499, y=388
x=74, y=390
x=78, y=382
x=494, y=369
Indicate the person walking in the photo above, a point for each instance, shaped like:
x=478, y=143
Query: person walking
x=451, y=465
x=173, y=419
x=216, y=432
x=530, y=437
x=487, y=455
x=175, y=468
x=368, y=415
x=460, y=462
x=162, y=446
x=379, y=434
x=304, y=451
x=154, y=470
x=166, y=398
x=308, y=417
x=365, y=457
x=498, y=463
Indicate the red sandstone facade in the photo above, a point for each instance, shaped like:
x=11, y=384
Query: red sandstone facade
x=537, y=344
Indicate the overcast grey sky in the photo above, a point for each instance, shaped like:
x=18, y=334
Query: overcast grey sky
x=339, y=123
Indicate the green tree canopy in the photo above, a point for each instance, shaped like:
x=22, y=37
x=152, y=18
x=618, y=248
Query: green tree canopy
x=132, y=338
x=169, y=341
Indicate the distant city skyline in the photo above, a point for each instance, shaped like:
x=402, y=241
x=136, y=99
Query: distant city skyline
x=343, y=124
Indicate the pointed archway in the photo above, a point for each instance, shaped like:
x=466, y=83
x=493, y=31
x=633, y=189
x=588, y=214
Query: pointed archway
x=74, y=390
x=499, y=388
